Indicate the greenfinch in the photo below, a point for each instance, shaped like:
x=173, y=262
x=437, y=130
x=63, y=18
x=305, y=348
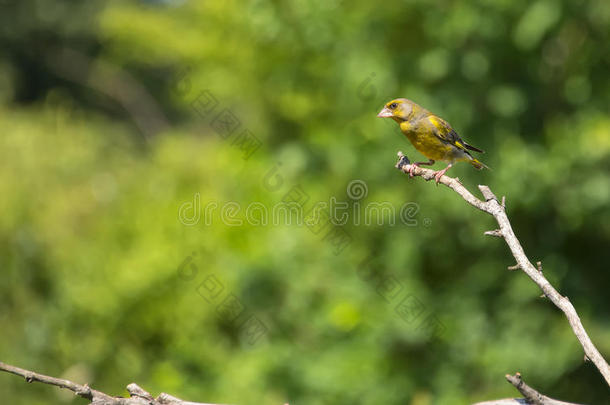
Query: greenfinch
x=431, y=135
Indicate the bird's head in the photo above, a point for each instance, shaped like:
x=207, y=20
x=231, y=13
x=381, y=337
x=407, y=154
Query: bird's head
x=400, y=109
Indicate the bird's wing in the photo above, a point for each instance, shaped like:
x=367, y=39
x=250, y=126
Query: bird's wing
x=445, y=133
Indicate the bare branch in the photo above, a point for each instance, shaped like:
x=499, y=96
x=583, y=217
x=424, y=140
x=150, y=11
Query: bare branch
x=138, y=395
x=531, y=396
x=492, y=206
x=30, y=376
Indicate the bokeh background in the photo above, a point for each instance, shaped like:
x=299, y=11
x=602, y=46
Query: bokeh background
x=107, y=131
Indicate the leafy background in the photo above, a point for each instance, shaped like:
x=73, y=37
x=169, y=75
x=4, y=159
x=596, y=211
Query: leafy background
x=101, y=146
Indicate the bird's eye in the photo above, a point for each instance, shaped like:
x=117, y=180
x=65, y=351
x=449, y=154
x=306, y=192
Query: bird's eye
x=393, y=106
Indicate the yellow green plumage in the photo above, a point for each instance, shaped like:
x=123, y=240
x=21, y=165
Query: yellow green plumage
x=432, y=136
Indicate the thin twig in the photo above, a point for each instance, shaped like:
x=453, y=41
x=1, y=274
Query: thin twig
x=496, y=232
x=496, y=209
x=138, y=395
x=531, y=396
x=30, y=376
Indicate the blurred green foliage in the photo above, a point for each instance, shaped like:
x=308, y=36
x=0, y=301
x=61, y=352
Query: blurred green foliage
x=102, y=283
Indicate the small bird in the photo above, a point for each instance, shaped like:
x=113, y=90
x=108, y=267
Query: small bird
x=431, y=135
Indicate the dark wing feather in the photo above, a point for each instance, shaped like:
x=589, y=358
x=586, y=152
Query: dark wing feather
x=443, y=130
x=470, y=147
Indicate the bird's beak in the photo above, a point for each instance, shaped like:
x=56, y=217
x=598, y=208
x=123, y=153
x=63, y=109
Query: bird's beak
x=385, y=113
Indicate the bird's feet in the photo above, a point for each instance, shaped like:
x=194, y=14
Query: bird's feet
x=417, y=164
x=411, y=169
x=440, y=173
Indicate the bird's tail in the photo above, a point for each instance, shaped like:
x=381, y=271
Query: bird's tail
x=478, y=165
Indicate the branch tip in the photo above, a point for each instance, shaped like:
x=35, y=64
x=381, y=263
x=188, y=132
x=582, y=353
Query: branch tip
x=496, y=233
x=487, y=193
x=530, y=395
x=402, y=161
x=514, y=267
x=136, y=391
